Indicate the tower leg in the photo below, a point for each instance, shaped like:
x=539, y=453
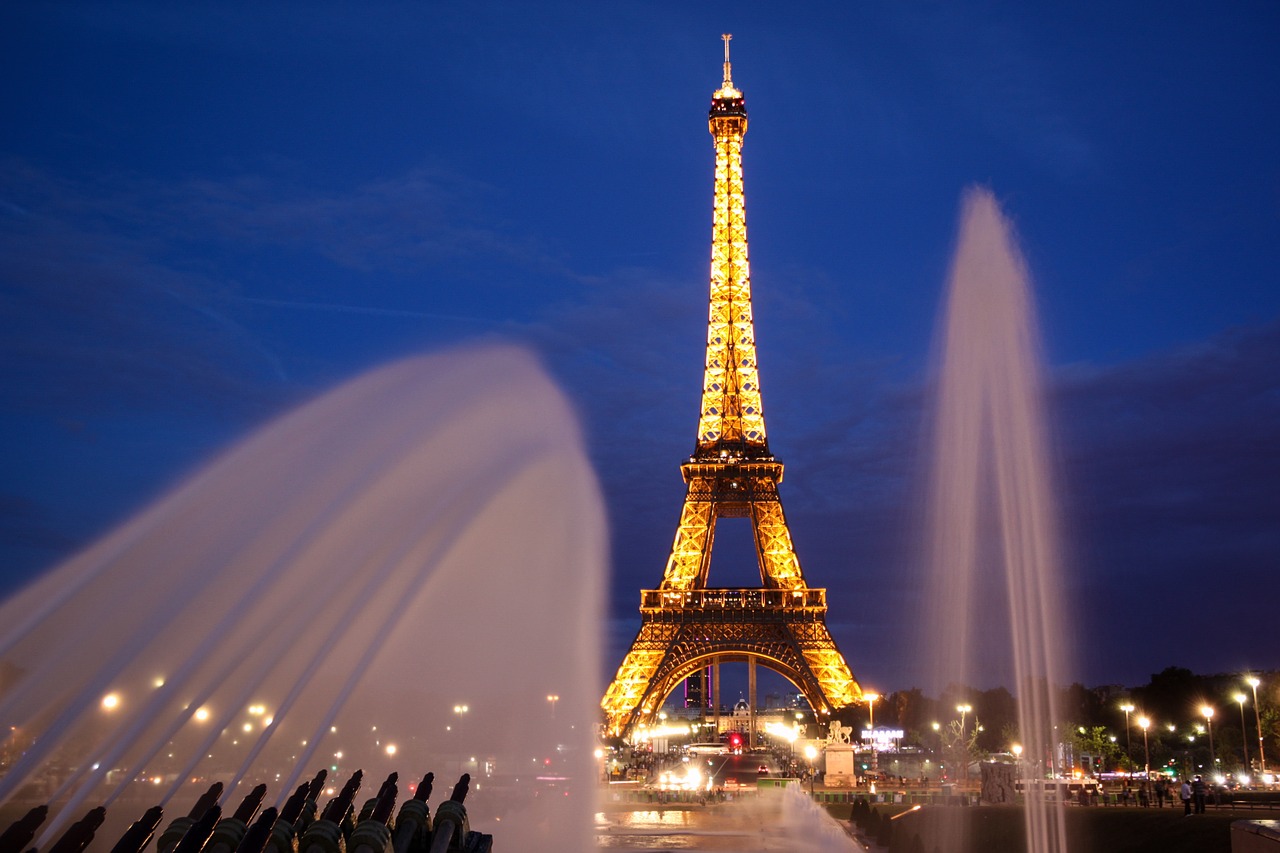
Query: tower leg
x=715, y=690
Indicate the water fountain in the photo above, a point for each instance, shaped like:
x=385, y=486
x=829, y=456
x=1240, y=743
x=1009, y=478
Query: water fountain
x=397, y=573
x=993, y=525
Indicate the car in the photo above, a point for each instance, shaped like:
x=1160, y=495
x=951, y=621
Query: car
x=762, y=770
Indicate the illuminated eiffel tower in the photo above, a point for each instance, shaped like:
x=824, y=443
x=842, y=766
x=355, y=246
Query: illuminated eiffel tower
x=687, y=626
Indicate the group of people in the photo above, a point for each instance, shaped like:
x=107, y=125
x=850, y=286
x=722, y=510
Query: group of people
x=1193, y=792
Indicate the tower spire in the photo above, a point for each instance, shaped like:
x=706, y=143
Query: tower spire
x=728, y=69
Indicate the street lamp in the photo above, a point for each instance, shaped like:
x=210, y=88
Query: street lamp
x=1253, y=682
x=1128, y=709
x=1146, y=724
x=1207, y=710
x=810, y=753
x=964, y=745
x=1244, y=741
x=553, y=699
x=869, y=698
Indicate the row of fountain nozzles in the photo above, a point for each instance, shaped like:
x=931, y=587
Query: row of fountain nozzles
x=292, y=829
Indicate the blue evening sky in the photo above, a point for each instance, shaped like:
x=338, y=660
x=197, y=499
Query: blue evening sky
x=211, y=211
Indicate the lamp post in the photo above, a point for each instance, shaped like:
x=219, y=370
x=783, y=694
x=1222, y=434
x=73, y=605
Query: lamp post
x=1244, y=741
x=553, y=699
x=1146, y=724
x=964, y=710
x=1253, y=682
x=870, y=699
x=1128, y=709
x=937, y=730
x=810, y=753
x=1207, y=710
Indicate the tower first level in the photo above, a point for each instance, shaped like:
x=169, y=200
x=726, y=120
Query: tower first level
x=683, y=632
x=687, y=625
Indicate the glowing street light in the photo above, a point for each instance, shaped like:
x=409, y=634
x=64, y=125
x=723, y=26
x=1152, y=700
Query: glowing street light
x=1146, y=724
x=553, y=699
x=202, y=714
x=1207, y=710
x=963, y=711
x=1244, y=742
x=1128, y=709
x=111, y=701
x=1253, y=682
x=870, y=699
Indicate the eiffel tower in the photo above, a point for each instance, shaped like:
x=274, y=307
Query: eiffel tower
x=687, y=626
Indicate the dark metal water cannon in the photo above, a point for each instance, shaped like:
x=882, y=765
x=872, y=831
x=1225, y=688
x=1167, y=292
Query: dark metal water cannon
x=285, y=829
x=250, y=804
x=230, y=831
x=413, y=823
x=452, y=829
x=256, y=837
x=80, y=834
x=386, y=802
x=336, y=809
x=173, y=832
x=19, y=834
x=199, y=833
x=293, y=805
x=373, y=835
x=326, y=835
x=366, y=811
x=138, y=836
x=316, y=785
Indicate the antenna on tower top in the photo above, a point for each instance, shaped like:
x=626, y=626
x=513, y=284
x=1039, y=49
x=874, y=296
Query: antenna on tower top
x=728, y=75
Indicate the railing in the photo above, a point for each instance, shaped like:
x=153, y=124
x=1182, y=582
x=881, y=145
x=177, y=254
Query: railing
x=733, y=599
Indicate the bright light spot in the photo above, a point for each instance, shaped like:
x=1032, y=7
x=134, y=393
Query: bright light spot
x=330, y=791
x=391, y=749
x=248, y=727
x=158, y=681
x=268, y=721
x=111, y=701
x=257, y=710
x=202, y=714
x=338, y=754
x=156, y=780
x=333, y=728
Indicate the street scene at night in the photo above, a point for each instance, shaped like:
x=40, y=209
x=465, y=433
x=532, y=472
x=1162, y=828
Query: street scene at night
x=568, y=427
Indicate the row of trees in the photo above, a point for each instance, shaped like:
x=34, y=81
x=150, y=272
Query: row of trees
x=1094, y=722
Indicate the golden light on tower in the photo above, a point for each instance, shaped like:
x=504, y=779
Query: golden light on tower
x=687, y=626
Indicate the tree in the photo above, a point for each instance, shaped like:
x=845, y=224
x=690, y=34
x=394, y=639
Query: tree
x=1095, y=741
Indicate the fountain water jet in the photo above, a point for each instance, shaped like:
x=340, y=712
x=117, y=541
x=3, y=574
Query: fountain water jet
x=427, y=535
x=992, y=516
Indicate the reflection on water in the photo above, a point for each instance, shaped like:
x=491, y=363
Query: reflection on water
x=753, y=824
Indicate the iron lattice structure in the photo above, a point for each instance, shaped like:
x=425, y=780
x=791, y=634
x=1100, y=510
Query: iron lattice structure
x=686, y=625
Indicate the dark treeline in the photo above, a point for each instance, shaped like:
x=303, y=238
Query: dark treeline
x=1094, y=720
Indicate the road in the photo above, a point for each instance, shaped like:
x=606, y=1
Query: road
x=742, y=769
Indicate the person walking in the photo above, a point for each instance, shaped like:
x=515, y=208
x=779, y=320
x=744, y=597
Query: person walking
x=1162, y=791
x=1197, y=793
x=1185, y=793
